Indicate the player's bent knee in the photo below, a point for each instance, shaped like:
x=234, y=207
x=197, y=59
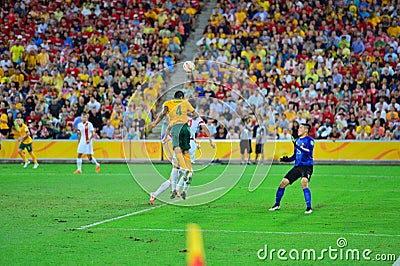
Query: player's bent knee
x=304, y=182
x=284, y=183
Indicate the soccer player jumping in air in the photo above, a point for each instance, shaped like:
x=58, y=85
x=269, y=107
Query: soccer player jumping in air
x=177, y=110
x=303, y=167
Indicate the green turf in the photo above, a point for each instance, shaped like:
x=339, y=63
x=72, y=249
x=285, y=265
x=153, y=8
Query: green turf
x=40, y=208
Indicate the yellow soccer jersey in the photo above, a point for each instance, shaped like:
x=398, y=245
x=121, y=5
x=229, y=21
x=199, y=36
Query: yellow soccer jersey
x=177, y=110
x=23, y=130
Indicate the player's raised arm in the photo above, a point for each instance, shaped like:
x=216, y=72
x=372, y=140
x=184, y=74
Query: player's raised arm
x=166, y=137
x=208, y=133
x=159, y=118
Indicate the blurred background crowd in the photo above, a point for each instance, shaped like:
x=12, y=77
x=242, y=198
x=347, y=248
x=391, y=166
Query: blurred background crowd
x=267, y=64
x=110, y=59
x=332, y=64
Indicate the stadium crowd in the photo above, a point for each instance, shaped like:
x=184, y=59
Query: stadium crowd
x=332, y=64
x=61, y=58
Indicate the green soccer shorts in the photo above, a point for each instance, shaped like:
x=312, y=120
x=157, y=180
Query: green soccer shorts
x=181, y=136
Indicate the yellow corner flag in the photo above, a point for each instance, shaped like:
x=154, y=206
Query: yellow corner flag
x=194, y=246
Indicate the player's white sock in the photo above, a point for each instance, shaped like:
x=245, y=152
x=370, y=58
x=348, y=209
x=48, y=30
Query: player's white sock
x=164, y=186
x=180, y=184
x=79, y=163
x=174, y=178
x=186, y=187
x=94, y=161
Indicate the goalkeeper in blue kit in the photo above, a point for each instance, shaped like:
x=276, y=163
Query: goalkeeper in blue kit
x=303, y=167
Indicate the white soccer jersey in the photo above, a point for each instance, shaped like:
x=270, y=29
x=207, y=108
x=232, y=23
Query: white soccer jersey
x=86, y=131
x=194, y=124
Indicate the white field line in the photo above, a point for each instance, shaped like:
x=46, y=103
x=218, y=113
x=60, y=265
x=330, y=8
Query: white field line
x=246, y=232
x=142, y=211
x=207, y=174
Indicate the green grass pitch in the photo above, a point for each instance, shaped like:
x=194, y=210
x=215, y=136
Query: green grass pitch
x=41, y=208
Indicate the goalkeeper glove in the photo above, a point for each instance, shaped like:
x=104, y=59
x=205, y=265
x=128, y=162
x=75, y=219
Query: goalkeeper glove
x=284, y=159
x=294, y=141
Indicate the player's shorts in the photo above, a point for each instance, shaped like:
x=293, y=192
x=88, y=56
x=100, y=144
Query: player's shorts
x=180, y=136
x=299, y=172
x=259, y=148
x=84, y=148
x=192, y=151
x=245, y=144
x=28, y=147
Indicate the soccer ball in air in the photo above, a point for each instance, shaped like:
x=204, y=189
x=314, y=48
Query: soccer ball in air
x=188, y=66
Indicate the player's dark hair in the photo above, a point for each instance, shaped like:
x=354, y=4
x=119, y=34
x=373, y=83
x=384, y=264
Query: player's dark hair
x=84, y=114
x=306, y=126
x=179, y=95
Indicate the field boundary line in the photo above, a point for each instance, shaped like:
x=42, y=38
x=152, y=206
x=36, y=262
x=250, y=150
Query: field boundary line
x=245, y=231
x=274, y=174
x=142, y=211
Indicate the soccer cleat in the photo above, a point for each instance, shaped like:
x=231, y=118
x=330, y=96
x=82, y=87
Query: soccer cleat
x=275, y=207
x=152, y=198
x=78, y=171
x=173, y=194
x=308, y=210
x=183, y=195
x=97, y=168
x=36, y=165
x=26, y=164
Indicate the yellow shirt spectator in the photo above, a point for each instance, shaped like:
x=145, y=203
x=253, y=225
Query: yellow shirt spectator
x=43, y=59
x=151, y=14
x=4, y=121
x=162, y=18
x=389, y=116
x=58, y=82
x=374, y=20
x=31, y=60
x=264, y=4
x=96, y=80
x=367, y=129
x=191, y=11
x=248, y=54
x=84, y=77
x=309, y=65
x=290, y=115
x=17, y=51
x=393, y=31
x=240, y=17
x=49, y=80
x=18, y=78
x=102, y=40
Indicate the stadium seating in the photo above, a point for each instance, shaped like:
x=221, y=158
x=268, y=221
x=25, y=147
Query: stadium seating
x=60, y=58
x=335, y=66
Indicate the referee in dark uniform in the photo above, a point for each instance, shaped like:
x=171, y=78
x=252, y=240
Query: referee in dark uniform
x=303, y=167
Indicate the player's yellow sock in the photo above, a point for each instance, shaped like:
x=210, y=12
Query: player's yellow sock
x=34, y=157
x=22, y=154
x=181, y=160
x=188, y=162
